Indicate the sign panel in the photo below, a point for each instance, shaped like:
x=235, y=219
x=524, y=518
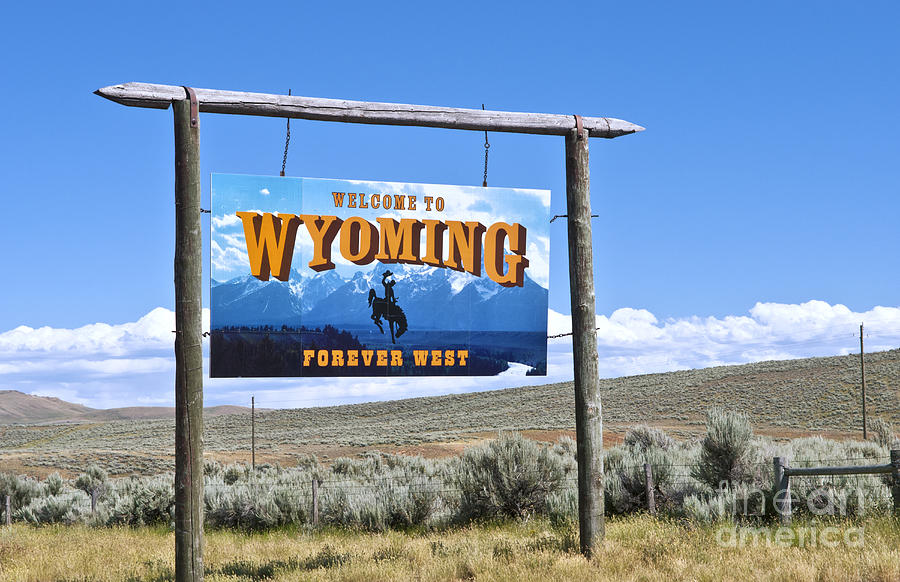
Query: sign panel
x=316, y=277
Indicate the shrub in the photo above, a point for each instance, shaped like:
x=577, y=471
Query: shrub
x=211, y=467
x=143, y=502
x=562, y=507
x=53, y=484
x=725, y=451
x=509, y=477
x=883, y=433
x=242, y=506
x=21, y=490
x=66, y=508
x=409, y=504
x=234, y=473
x=642, y=437
x=94, y=479
x=625, y=477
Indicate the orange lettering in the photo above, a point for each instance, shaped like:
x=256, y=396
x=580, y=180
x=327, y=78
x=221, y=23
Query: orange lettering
x=322, y=229
x=359, y=239
x=270, y=243
x=465, y=246
x=434, y=242
x=494, y=257
x=400, y=240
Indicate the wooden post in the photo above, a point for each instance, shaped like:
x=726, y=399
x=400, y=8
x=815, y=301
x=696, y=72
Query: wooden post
x=588, y=415
x=8, y=511
x=253, y=432
x=862, y=367
x=782, y=493
x=648, y=488
x=93, y=500
x=188, y=350
x=315, y=502
x=895, y=480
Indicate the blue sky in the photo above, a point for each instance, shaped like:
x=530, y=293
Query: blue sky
x=767, y=175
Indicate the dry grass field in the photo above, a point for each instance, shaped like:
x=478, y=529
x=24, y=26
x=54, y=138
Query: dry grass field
x=636, y=548
x=784, y=399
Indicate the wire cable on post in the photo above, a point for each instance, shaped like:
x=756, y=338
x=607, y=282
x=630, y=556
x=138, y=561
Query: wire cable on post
x=487, y=146
x=287, y=142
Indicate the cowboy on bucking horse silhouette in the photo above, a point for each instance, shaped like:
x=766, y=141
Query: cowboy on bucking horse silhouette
x=387, y=308
x=388, y=288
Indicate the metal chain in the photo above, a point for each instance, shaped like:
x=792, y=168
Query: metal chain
x=487, y=146
x=287, y=142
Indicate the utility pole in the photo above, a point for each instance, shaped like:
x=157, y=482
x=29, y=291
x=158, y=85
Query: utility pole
x=862, y=367
x=253, y=432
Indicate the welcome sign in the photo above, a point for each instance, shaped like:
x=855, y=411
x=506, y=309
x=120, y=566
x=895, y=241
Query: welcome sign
x=318, y=277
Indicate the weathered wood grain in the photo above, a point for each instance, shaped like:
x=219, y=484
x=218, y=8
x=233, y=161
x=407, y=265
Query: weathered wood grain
x=264, y=104
x=588, y=411
x=188, y=350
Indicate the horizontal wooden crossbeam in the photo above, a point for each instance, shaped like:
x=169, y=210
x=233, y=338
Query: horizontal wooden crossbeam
x=269, y=105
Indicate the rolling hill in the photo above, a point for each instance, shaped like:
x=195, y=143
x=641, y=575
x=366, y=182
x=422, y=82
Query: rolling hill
x=17, y=407
x=783, y=398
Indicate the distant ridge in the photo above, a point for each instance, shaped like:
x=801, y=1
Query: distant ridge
x=18, y=407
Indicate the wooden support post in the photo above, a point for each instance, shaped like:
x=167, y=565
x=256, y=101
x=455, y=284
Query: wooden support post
x=648, y=488
x=8, y=511
x=188, y=349
x=862, y=368
x=588, y=417
x=782, y=493
x=253, y=432
x=315, y=502
x=93, y=500
x=895, y=480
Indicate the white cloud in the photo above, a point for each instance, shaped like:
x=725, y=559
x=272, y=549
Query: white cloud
x=228, y=259
x=105, y=365
x=264, y=192
x=226, y=220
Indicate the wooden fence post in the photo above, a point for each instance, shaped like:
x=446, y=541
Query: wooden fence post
x=648, y=488
x=8, y=511
x=782, y=492
x=315, y=502
x=895, y=481
x=188, y=346
x=253, y=432
x=588, y=413
x=94, y=500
